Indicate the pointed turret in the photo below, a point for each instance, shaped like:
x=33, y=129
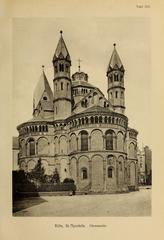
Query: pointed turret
x=62, y=82
x=61, y=50
x=43, y=96
x=115, y=74
x=115, y=61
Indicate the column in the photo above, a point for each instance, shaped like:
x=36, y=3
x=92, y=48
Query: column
x=90, y=173
x=89, y=143
x=104, y=174
x=77, y=141
x=104, y=143
x=77, y=174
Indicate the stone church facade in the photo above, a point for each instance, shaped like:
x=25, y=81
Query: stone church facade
x=79, y=131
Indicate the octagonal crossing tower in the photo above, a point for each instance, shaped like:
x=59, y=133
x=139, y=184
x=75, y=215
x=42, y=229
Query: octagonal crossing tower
x=116, y=90
x=62, y=81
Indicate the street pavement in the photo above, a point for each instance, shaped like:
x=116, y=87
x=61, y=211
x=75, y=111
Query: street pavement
x=126, y=204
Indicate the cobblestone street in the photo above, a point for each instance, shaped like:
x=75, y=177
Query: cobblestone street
x=127, y=204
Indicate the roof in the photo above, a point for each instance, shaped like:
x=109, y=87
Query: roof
x=115, y=61
x=42, y=86
x=15, y=143
x=80, y=76
x=82, y=83
x=132, y=130
x=41, y=119
x=61, y=50
x=96, y=109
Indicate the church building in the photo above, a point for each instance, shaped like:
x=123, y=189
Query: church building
x=78, y=131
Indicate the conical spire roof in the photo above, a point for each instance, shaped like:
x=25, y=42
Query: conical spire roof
x=115, y=61
x=41, y=87
x=61, y=50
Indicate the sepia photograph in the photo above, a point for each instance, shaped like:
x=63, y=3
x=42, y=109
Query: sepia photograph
x=81, y=136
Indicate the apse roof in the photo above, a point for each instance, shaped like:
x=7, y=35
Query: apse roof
x=41, y=119
x=97, y=109
x=82, y=83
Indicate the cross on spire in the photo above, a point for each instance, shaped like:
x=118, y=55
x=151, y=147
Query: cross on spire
x=79, y=61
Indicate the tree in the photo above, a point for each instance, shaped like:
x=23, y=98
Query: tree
x=55, y=177
x=68, y=180
x=38, y=173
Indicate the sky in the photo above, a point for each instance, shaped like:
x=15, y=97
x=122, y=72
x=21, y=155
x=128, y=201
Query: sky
x=91, y=40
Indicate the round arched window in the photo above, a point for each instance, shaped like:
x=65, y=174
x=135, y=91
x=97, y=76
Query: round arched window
x=84, y=174
x=110, y=172
x=109, y=140
x=84, y=141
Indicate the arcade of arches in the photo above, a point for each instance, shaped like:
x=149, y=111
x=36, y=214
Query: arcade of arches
x=98, y=172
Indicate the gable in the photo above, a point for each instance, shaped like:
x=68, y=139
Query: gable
x=92, y=99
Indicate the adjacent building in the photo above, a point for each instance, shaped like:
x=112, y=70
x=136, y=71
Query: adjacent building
x=15, y=152
x=141, y=167
x=148, y=165
x=144, y=166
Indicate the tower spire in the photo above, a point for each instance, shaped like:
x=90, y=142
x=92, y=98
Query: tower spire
x=115, y=74
x=61, y=51
x=62, y=81
x=115, y=61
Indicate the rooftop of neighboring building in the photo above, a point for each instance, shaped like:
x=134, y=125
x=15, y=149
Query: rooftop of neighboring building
x=15, y=143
